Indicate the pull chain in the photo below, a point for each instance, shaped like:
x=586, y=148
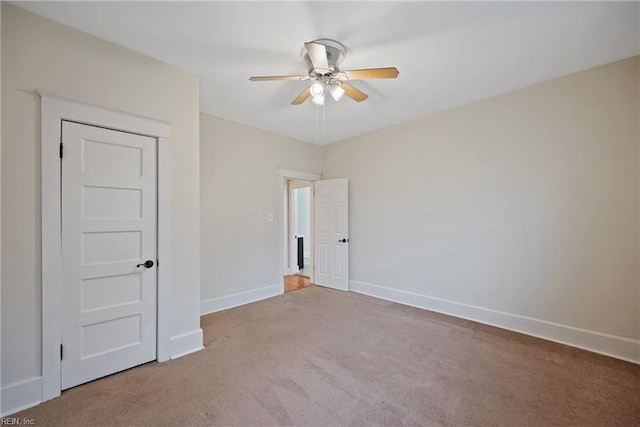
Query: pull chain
x=317, y=126
x=320, y=137
x=324, y=123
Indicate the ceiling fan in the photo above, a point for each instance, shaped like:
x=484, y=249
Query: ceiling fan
x=323, y=57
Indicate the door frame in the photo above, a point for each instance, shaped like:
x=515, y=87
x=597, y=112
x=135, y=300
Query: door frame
x=283, y=206
x=55, y=109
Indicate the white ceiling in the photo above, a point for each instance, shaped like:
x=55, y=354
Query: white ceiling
x=448, y=54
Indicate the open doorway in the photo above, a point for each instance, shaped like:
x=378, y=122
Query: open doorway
x=329, y=237
x=299, y=235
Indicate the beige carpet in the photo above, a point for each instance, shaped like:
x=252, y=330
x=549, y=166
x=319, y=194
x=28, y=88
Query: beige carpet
x=322, y=357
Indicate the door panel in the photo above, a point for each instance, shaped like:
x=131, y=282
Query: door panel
x=331, y=228
x=102, y=292
x=109, y=215
x=116, y=203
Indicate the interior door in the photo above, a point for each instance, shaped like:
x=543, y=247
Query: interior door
x=109, y=230
x=331, y=213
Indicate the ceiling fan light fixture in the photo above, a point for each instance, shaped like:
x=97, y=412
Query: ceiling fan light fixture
x=322, y=58
x=336, y=91
x=316, y=90
x=318, y=100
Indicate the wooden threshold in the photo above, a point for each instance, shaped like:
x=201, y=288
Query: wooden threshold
x=295, y=282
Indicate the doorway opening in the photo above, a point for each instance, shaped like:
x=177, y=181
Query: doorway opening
x=299, y=235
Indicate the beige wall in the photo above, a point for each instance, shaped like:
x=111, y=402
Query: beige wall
x=40, y=54
x=1, y=412
x=239, y=188
x=526, y=203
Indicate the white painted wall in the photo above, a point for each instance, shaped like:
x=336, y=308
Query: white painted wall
x=303, y=216
x=526, y=203
x=40, y=54
x=239, y=188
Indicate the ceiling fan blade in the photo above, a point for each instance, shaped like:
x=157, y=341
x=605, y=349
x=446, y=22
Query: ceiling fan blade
x=372, y=73
x=354, y=93
x=268, y=78
x=318, y=55
x=302, y=97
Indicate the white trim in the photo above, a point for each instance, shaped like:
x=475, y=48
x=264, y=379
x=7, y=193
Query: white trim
x=78, y=110
x=300, y=183
x=21, y=395
x=186, y=343
x=164, y=249
x=609, y=345
x=51, y=256
x=222, y=303
x=54, y=109
x=303, y=176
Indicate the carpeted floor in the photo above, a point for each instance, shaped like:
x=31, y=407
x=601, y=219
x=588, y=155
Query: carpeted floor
x=323, y=357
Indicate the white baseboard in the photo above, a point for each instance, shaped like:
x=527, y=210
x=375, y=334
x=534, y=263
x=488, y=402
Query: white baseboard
x=21, y=395
x=610, y=345
x=222, y=303
x=184, y=344
x=28, y=393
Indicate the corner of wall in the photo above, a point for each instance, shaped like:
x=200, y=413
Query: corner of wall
x=186, y=343
x=214, y=305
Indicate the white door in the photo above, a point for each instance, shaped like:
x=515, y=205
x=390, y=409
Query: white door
x=108, y=230
x=331, y=212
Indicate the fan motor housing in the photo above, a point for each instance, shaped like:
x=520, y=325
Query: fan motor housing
x=335, y=54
